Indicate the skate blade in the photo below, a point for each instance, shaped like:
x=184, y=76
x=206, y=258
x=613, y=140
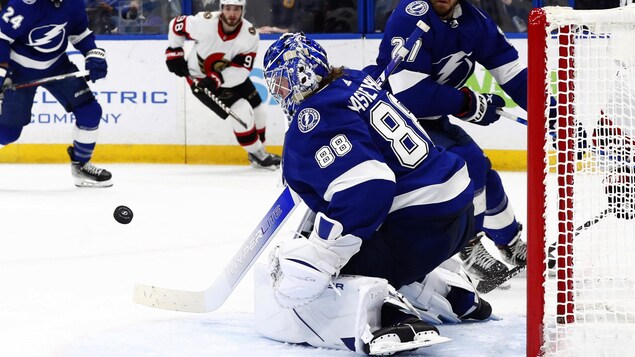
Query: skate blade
x=90, y=183
x=379, y=348
x=268, y=168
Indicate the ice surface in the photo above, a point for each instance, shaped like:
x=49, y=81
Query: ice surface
x=67, y=268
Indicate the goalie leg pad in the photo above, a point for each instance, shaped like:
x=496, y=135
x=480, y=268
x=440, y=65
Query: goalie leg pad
x=337, y=319
x=448, y=293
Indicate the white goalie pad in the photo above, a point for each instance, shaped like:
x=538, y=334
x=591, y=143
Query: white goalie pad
x=337, y=319
x=430, y=295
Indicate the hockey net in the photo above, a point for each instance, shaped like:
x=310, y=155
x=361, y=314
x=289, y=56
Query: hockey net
x=581, y=190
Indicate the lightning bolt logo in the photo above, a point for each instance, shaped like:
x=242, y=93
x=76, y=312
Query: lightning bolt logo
x=48, y=38
x=452, y=63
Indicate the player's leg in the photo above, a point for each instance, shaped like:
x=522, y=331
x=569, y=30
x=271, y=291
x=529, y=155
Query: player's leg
x=15, y=113
x=478, y=261
x=359, y=314
x=500, y=223
x=248, y=92
x=76, y=97
x=247, y=137
x=411, y=243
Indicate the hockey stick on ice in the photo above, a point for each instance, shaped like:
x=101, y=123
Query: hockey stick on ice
x=485, y=286
x=215, y=295
x=218, y=102
x=40, y=81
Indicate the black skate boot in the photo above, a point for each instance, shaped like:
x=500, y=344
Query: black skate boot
x=479, y=262
x=87, y=174
x=264, y=160
x=514, y=253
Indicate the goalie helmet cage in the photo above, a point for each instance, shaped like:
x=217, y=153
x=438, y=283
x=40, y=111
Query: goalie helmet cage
x=580, y=200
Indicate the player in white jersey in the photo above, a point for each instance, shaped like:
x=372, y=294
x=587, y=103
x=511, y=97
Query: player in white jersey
x=218, y=68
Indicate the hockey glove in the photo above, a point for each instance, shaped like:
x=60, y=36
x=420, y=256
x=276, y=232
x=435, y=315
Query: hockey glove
x=302, y=268
x=175, y=60
x=96, y=64
x=480, y=108
x=5, y=84
x=212, y=82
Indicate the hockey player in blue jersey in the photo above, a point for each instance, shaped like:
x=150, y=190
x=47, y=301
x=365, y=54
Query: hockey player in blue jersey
x=34, y=35
x=390, y=204
x=430, y=82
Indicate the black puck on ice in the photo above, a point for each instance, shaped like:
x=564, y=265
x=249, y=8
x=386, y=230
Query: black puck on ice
x=123, y=214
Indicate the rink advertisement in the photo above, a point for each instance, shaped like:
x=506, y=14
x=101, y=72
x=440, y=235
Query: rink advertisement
x=150, y=115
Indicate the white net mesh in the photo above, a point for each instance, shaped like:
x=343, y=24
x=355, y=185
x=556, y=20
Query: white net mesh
x=590, y=292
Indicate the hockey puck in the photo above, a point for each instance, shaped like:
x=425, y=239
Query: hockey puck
x=123, y=214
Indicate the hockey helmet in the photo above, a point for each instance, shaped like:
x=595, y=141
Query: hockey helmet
x=232, y=2
x=294, y=67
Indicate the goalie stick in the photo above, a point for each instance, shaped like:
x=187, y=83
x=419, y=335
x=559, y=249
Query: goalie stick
x=215, y=295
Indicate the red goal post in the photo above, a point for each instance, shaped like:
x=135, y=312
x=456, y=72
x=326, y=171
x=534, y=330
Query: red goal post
x=580, y=182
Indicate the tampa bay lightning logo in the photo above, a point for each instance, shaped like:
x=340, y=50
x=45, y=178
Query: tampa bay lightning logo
x=417, y=8
x=308, y=119
x=49, y=38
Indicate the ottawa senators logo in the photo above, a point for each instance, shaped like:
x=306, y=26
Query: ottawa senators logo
x=252, y=30
x=213, y=63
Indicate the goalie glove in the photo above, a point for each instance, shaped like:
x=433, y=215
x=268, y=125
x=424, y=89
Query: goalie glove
x=175, y=60
x=96, y=64
x=303, y=267
x=480, y=108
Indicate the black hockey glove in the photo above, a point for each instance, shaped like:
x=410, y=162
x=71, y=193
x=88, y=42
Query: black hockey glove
x=212, y=82
x=480, y=108
x=96, y=64
x=175, y=60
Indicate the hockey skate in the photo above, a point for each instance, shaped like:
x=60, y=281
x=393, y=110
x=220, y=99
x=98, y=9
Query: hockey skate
x=264, y=160
x=480, y=263
x=87, y=174
x=408, y=335
x=514, y=253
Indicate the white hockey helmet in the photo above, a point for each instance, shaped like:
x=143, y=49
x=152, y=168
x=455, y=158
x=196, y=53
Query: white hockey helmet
x=233, y=2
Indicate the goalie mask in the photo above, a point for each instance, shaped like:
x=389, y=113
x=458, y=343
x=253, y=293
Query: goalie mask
x=294, y=67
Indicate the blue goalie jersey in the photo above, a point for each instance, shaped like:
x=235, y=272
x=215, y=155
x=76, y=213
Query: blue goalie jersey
x=356, y=154
x=445, y=57
x=34, y=34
